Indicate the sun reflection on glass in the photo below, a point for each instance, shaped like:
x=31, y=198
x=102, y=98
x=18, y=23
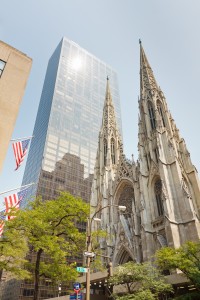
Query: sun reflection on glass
x=76, y=63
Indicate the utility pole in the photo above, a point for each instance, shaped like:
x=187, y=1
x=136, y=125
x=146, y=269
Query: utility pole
x=90, y=254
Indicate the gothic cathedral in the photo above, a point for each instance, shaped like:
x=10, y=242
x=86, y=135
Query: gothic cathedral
x=161, y=191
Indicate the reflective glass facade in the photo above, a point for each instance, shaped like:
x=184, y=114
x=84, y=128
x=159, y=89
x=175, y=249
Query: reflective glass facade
x=63, y=150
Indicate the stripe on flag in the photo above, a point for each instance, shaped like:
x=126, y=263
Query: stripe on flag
x=13, y=201
x=20, y=149
x=2, y=219
x=2, y=223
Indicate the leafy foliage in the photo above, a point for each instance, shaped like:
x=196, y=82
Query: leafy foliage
x=142, y=281
x=96, y=263
x=13, y=249
x=50, y=229
x=140, y=295
x=185, y=258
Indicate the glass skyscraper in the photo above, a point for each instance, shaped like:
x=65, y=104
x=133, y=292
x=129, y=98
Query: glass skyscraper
x=63, y=150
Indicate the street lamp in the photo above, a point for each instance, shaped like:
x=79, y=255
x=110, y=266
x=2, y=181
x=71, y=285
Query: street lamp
x=89, y=254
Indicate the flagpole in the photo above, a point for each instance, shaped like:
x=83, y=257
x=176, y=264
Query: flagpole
x=24, y=138
x=21, y=187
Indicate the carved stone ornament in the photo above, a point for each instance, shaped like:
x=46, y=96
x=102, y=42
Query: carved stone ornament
x=122, y=236
x=185, y=188
x=124, y=170
x=164, y=191
x=142, y=203
x=154, y=170
x=148, y=79
x=109, y=119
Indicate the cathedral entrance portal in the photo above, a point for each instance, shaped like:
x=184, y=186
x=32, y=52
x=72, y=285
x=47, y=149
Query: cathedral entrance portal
x=123, y=257
x=126, y=247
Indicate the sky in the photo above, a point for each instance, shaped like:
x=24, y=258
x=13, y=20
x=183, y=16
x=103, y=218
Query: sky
x=111, y=29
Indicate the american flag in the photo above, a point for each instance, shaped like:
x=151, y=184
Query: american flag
x=20, y=149
x=1, y=227
x=2, y=223
x=14, y=201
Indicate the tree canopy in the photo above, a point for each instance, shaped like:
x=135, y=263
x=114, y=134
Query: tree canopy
x=141, y=282
x=13, y=249
x=185, y=258
x=49, y=229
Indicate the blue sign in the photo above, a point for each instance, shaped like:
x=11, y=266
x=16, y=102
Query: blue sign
x=77, y=286
x=76, y=296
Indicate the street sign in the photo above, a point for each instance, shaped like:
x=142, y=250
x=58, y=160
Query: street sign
x=77, y=286
x=81, y=269
x=74, y=297
x=89, y=254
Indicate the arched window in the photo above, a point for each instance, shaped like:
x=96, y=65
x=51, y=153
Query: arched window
x=151, y=115
x=158, y=195
x=105, y=150
x=160, y=110
x=113, y=150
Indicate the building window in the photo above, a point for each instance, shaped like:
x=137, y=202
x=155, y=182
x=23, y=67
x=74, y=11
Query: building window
x=105, y=150
x=160, y=110
x=156, y=151
x=158, y=195
x=2, y=66
x=151, y=115
x=113, y=150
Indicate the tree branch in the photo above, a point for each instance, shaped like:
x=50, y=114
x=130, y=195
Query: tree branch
x=66, y=216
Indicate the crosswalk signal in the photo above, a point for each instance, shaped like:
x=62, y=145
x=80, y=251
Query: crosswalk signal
x=110, y=269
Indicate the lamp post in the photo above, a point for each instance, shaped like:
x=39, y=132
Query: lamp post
x=89, y=246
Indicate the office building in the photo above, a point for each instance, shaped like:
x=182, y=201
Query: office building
x=68, y=122
x=15, y=67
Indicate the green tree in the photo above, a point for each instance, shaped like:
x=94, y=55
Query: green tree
x=142, y=281
x=185, y=258
x=13, y=249
x=50, y=229
x=97, y=263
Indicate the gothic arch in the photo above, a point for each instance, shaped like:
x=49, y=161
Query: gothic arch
x=123, y=256
x=124, y=195
x=156, y=196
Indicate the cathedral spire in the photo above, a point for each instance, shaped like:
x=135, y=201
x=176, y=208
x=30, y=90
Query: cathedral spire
x=108, y=94
x=147, y=79
x=109, y=135
x=109, y=121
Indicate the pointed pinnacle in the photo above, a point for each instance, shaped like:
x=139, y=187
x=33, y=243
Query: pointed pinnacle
x=146, y=73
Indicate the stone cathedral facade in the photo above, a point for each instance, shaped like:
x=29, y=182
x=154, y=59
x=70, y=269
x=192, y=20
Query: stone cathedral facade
x=161, y=191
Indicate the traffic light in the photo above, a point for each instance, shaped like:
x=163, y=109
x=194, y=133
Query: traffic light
x=109, y=269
